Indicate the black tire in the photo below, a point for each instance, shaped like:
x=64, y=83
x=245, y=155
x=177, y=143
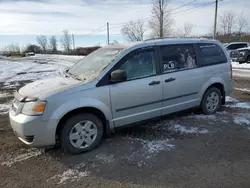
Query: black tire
x=70, y=123
x=204, y=108
x=248, y=59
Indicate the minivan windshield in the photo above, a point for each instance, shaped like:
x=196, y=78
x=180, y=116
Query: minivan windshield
x=92, y=65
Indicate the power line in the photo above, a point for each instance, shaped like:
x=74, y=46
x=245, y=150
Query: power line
x=200, y=6
x=96, y=30
x=119, y=25
x=148, y=18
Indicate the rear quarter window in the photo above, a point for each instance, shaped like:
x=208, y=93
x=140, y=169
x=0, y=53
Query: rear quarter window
x=211, y=54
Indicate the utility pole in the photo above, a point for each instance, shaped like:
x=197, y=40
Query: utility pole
x=73, y=38
x=108, y=33
x=215, y=19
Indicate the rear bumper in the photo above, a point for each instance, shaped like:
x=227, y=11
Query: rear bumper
x=32, y=131
x=229, y=88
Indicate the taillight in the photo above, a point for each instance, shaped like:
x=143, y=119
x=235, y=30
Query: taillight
x=231, y=69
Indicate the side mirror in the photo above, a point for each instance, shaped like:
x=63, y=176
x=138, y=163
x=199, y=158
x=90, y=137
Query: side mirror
x=118, y=76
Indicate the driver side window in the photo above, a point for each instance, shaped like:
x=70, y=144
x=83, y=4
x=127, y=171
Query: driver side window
x=140, y=64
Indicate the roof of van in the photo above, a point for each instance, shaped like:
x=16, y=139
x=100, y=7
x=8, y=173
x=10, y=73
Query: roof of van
x=162, y=41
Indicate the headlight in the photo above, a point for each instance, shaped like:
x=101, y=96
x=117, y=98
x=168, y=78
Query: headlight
x=34, y=108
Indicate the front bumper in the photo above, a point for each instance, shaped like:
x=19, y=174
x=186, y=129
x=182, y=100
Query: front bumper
x=32, y=130
x=242, y=59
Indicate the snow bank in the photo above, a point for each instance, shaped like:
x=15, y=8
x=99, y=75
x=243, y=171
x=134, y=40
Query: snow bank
x=236, y=65
x=35, y=67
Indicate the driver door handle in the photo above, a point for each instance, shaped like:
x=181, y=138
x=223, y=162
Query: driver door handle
x=170, y=80
x=154, y=83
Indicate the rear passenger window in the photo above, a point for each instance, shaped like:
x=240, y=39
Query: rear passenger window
x=211, y=54
x=178, y=57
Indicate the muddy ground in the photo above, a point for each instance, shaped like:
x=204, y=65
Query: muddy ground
x=186, y=149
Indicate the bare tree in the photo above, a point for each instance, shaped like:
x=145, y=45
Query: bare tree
x=134, y=30
x=187, y=29
x=227, y=21
x=66, y=41
x=242, y=22
x=42, y=41
x=12, y=48
x=53, y=43
x=161, y=21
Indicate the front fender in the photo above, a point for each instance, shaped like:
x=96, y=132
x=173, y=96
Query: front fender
x=68, y=106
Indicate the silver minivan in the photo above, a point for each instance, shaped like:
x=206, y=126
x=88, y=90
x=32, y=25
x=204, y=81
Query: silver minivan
x=119, y=85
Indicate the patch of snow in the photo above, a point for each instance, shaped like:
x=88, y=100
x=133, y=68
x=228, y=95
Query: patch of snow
x=4, y=108
x=153, y=146
x=241, y=120
x=243, y=105
x=26, y=68
x=230, y=99
x=156, y=146
x=72, y=174
x=33, y=76
x=4, y=95
x=8, y=85
x=202, y=116
x=222, y=112
x=242, y=89
x=105, y=159
x=22, y=157
x=184, y=130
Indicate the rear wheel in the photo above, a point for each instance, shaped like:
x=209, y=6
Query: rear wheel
x=81, y=133
x=211, y=101
x=248, y=59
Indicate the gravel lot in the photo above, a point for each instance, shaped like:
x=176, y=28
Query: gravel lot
x=186, y=149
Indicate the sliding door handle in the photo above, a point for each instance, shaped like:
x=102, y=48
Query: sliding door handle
x=154, y=83
x=170, y=80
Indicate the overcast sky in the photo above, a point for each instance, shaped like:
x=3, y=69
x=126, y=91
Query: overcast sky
x=81, y=17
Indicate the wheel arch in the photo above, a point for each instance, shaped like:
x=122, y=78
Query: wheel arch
x=91, y=110
x=218, y=85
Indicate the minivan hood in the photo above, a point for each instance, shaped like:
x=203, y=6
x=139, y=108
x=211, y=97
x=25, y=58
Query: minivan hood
x=47, y=86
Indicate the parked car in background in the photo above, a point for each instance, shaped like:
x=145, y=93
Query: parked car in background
x=119, y=85
x=232, y=49
x=244, y=56
x=237, y=45
x=29, y=54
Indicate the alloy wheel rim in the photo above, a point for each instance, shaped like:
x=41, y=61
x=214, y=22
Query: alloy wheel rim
x=212, y=101
x=83, y=134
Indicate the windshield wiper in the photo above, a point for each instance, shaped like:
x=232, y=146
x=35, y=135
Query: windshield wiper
x=73, y=76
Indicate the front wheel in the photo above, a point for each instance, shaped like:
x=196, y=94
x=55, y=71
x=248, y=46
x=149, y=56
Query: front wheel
x=81, y=133
x=211, y=101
